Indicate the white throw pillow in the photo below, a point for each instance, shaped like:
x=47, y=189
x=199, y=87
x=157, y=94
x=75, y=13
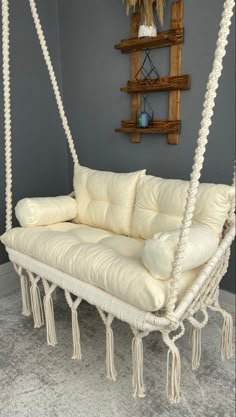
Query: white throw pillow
x=42, y=211
x=159, y=252
x=105, y=199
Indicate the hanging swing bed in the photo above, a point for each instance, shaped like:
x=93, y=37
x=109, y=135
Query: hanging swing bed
x=148, y=251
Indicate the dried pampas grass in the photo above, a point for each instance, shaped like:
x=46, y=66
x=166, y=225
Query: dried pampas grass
x=146, y=9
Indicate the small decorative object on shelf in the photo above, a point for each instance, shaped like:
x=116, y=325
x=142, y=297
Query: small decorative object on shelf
x=147, y=31
x=147, y=26
x=147, y=70
x=145, y=119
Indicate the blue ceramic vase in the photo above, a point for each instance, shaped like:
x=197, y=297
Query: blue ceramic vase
x=143, y=120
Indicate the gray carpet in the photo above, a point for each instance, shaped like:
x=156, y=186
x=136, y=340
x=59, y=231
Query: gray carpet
x=37, y=380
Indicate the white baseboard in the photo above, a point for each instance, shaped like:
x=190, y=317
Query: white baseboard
x=9, y=281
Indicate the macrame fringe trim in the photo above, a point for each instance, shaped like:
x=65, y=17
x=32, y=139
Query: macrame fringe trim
x=75, y=335
x=36, y=303
x=26, y=307
x=50, y=321
x=196, y=347
x=110, y=363
x=137, y=359
x=227, y=337
x=173, y=374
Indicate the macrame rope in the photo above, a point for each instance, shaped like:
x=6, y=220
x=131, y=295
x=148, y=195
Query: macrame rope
x=75, y=325
x=49, y=313
x=207, y=114
x=137, y=361
x=7, y=110
x=227, y=332
x=197, y=327
x=53, y=79
x=36, y=302
x=173, y=365
x=26, y=307
x=110, y=364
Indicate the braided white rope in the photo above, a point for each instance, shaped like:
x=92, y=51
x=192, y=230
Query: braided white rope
x=53, y=79
x=207, y=114
x=7, y=110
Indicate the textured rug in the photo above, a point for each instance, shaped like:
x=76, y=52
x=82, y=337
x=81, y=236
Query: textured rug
x=37, y=380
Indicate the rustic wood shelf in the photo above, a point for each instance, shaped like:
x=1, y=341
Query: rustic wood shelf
x=178, y=82
x=173, y=83
x=158, y=127
x=163, y=39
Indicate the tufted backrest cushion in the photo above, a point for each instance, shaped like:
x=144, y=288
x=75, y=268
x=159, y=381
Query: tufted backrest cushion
x=160, y=206
x=105, y=199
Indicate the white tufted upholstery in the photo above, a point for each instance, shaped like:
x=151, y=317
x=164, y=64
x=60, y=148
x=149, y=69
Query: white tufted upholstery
x=98, y=257
x=105, y=199
x=160, y=205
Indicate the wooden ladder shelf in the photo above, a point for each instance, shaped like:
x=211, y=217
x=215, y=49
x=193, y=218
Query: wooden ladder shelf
x=174, y=83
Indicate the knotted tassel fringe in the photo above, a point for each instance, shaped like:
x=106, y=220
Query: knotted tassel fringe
x=227, y=337
x=75, y=324
x=75, y=335
x=173, y=365
x=196, y=347
x=26, y=307
x=36, y=302
x=110, y=365
x=137, y=361
x=49, y=317
x=173, y=374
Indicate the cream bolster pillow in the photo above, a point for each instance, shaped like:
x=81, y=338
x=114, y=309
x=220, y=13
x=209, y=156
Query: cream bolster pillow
x=159, y=252
x=43, y=211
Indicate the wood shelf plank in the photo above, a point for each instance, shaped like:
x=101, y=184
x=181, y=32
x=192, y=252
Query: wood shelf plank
x=177, y=12
x=178, y=82
x=158, y=127
x=135, y=63
x=163, y=39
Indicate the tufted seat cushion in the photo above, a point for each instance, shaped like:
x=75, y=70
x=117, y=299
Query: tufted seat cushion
x=160, y=206
x=98, y=257
x=105, y=199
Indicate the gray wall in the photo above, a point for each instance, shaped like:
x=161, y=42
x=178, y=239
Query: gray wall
x=40, y=165
x=93, y=72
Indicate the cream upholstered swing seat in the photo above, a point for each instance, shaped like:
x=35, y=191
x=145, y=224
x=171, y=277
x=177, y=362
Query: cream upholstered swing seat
x=113, y=250
x=148, y=251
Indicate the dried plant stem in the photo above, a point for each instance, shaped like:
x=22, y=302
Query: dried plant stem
x=146, y=9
